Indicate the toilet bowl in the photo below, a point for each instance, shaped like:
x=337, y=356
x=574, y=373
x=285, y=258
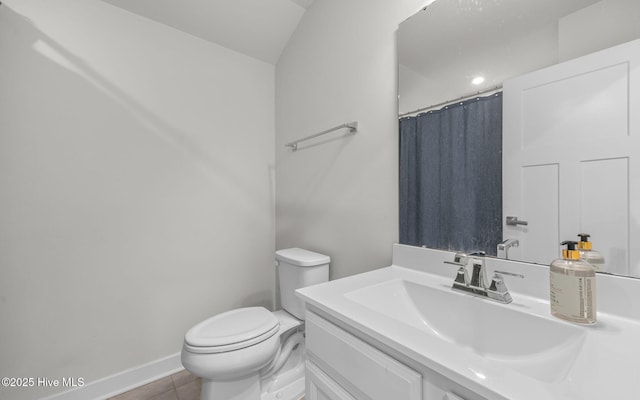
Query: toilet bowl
x=252, y=353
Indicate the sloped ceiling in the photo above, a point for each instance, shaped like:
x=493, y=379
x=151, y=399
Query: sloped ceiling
x=257, y=28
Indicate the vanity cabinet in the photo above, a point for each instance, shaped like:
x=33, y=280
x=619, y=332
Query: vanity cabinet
x=341, y=366
x=319, y=386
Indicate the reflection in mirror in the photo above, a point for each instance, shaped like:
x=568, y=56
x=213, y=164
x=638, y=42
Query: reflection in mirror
x=457, y=150
x=567, y=73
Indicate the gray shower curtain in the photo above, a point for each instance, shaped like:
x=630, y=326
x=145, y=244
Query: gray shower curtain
x=451, y=176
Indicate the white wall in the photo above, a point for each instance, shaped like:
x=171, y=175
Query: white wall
x=136, y=188
x=340, y=197
x=415, y=91
x=597, y=27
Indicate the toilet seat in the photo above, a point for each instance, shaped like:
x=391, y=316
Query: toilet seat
x=232, y=330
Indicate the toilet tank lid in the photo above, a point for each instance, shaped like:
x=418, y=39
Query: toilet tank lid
x=302, y=257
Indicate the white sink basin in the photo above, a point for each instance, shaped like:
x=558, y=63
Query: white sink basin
x=498, y=351
x=494, y=331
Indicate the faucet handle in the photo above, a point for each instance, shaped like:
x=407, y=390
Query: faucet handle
x=498, y=289
x=462, y=276
x=462, y=259
x=499, y=273
x=459, y=259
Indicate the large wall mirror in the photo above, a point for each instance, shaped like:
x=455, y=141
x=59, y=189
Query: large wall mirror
x=544, y=97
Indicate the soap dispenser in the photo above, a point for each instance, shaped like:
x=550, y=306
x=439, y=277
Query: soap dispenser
x=573, y=287
x=588, y=254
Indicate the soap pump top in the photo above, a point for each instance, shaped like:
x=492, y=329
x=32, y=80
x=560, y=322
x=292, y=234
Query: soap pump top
x=570, y=252
x=584, y=242
x=588, y=254
x=573, y=287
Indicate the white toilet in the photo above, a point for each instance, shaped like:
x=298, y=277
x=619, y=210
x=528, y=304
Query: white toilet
x=252, y=353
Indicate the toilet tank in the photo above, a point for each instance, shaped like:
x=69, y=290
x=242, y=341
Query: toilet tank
x=298, y=268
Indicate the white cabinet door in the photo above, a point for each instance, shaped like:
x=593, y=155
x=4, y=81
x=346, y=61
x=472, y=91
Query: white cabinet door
x=571, y=157
x=321, y=387
x=362, y=369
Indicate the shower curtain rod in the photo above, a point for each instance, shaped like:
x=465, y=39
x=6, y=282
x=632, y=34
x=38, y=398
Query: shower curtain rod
x=353, y=127
x=449, y=102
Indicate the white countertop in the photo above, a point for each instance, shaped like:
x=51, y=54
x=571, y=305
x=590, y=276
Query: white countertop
x=605, y=367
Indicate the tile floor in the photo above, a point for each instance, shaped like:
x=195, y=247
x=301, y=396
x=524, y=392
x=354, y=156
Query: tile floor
x=180, y=386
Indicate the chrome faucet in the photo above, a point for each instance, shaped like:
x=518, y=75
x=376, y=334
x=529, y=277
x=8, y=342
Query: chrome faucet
x=477, y=283
x=504, y=246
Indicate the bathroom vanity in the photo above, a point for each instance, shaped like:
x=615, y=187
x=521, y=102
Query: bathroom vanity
x=401, y=332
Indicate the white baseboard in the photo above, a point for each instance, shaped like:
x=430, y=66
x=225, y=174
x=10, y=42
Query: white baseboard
x=123, y=381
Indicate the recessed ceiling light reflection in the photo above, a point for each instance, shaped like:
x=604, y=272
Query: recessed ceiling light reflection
x=477, y=80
